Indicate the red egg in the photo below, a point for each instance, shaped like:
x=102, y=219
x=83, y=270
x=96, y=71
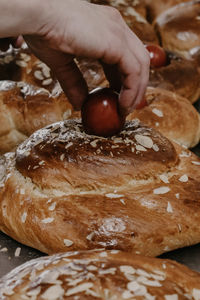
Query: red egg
x=142, y=103
x=100, y=113
x=158, y=57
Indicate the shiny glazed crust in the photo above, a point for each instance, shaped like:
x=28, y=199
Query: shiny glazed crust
x=25, y=108
x=100, y=274
x=137, y=192
x=171, y=115
x=156, y=7
x=179, y=27
x=134, y=14
x=179, y=75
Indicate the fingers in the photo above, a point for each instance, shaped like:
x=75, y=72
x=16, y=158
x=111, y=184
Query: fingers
x=131, y=74
x=143, y=58
x=113, y=76
x=71, y=80
x=129, y=69
x=101, y=34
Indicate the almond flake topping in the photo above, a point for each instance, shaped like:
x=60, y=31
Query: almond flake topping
x=23, y=217
x=185, y=154
x=111, y=195
x=196, y=163
x=149, y=282
x=79, y=288
x=127, y=269
x=140, y=148
x=47, y=220
x=131, y=11
x=62, y=157
x=155, y=148
x=127, y=295
x=157, y=112
x=144, y=141
x=47, y=81
x=90, y=236
x=196, y=294
x=21, y=63
x=67, y=114
x=164, y=178
x=161, y=190
x=138, y=289
x=94, y=143
x=22, y=191
x=38, y=75
x=68, y=145
x=53, y=293
x=171, y=297
x=68, y=243
x=183, y=178
x=122, y=201
x=52, y=207
x=103, y=254
x=169, y=207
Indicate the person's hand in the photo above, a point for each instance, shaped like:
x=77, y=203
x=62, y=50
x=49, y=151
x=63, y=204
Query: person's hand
x=72, y=28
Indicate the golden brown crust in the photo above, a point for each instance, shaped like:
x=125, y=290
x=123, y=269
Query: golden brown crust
x=179, y=75
x=22, y=65
x=122, y=5
x=92, y=72
x=24, y=109
x=134, y=14
x=100, y=274
x=156, y=7
x=179, y=27
x=137, y=192
x=171, y=115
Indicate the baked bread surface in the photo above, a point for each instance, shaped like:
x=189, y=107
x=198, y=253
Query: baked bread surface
x=180, y=75
x=24, y=109
x=179, y=27
x=174, y=116
x=137, y=192
x=134, y=14
x=100, y=274
x=156, y=7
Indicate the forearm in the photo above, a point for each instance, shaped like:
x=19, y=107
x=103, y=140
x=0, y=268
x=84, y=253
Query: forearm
x=19, y=17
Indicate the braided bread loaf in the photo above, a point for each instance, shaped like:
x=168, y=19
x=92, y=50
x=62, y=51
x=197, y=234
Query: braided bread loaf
x=134, y=13
x=156, y=7
x=172, y=115
x=100, y=275
x=179, y=27
x=179, y=75
x=63, y=189
x=24, y=109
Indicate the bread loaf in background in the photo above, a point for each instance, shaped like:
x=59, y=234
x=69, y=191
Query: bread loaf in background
x=172, y=115
x=100, y=274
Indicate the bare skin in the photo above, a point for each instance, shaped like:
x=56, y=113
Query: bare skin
x=68, y=28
